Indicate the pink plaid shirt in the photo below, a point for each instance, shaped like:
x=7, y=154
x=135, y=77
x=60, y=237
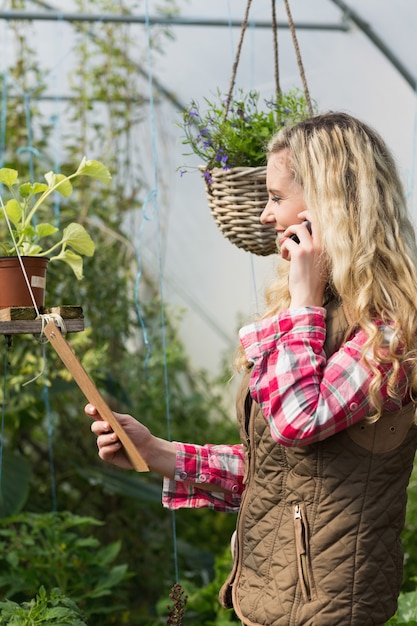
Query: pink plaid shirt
x=304, y=396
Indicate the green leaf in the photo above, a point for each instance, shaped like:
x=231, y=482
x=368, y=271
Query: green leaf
x=14, y=212
x=95, y=169
x=114, y=577
x=75, y=261
x=107, y=554
x=26, y=189
x=407, y=607
x=64, y=186
x=78, y=238
x=58, y=613
x=8, y=176
x=124, y=483
x=45, y=229
x=30, y=249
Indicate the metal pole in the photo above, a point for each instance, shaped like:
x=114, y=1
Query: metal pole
x=165, y=21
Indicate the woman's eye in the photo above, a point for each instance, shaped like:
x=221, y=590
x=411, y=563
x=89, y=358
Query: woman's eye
x=276, y=199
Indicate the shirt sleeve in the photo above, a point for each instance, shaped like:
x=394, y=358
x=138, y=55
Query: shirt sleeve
x=304, y=396
x=219, y=465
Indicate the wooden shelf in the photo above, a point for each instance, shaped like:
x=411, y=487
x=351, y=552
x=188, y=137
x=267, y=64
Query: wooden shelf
x=22, y=320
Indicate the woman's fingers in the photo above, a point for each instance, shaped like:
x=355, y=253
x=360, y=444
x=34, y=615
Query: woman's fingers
x=99, y=427
x=91, y=411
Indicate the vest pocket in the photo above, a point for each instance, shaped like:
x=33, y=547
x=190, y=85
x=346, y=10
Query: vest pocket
x=305, y=575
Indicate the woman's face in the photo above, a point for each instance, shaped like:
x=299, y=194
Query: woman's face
x=285, y=196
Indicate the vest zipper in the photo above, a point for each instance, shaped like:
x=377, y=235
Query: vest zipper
x=301, y=546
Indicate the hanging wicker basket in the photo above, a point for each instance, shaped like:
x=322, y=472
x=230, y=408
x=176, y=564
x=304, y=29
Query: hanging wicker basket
x=236, y=198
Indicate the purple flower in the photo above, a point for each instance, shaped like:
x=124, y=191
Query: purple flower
x=208, y=177
x=191, y=116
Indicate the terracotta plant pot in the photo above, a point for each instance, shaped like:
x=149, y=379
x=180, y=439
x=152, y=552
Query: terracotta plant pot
x=14, y=290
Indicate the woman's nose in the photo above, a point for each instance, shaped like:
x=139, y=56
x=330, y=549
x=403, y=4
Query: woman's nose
x=267, y=216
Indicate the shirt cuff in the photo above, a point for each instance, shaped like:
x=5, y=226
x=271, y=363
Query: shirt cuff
x=217, y=465
x=261, y=337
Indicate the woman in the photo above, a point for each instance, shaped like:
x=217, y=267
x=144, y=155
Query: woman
x=325, y=409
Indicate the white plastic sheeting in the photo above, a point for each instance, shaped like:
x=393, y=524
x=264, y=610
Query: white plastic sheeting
x=217, y=284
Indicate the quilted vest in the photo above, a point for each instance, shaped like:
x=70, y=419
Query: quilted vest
x=318, y=531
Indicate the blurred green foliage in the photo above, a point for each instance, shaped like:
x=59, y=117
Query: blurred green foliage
x=60, y=551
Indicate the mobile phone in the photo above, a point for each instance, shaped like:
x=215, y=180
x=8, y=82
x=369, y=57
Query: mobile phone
x=295, y=238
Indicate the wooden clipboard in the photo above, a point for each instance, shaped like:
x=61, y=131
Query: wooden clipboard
x=91, y=392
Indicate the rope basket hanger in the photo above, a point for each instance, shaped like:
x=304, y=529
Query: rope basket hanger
x=237, y=196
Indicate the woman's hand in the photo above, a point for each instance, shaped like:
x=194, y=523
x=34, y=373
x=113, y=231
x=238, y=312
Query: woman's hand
x=157, y=453
x=307, y=276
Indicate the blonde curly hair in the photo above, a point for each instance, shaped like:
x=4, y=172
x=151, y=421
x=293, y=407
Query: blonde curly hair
x=353, y=190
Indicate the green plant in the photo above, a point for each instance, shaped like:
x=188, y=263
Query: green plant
x=54, y=608
x=55, y=551
x=237, y=135
x=406, y=614
x=26, y=234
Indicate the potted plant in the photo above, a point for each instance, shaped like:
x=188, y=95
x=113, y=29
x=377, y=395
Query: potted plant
x=230, y=136
x=31, y=241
